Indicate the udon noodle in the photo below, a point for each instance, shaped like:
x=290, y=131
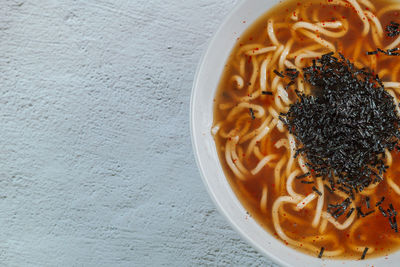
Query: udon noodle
x=257, y=150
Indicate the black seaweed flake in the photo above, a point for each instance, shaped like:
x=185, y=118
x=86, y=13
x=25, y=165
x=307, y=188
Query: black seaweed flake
x=394, y=221
x=394, y=212
x=380, y=202
x=329, y=189
x=296, y=154
x=368, y=213
x=289, y=84
x=290, y=70
x=349, y=213
x=389, y=212
x=307, y=182
x=252, y=114
x=350, y=107
x=316, y=190
x=392, y=29
x=382, y=211
x=364, y=253
x=303, y=175
x=321, y=252
x=367, y=202
x=279, y=74
x=344, y=190
x=389, y=52
x=339, y=213
x=381, y=50
x=339, y=209
x=292, y=74
x=266, y=93
x=359, y=212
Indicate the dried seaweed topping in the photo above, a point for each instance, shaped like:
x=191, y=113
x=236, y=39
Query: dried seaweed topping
x=329, y=189
x=382, y=211
x=389, y=52
x=266, y=93
x=392, y=29
x=279, y=74
x=349, y=213
x=321, y=252
x=303, y=175
x=307, y=182
x=252, y=113
x=316, y=191
x=339, y=209
x=364, y=253
x=345, y=125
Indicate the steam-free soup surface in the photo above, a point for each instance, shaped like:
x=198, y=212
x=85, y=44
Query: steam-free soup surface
x=242, y=78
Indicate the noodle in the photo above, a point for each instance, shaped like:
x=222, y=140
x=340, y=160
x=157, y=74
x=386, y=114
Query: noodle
x=318, y=39
x=271, y=33
x=320, y=204
x=239, y=81
x=228, y=158
x=262, y=163
x=263, y=73
x=275, y=216
x=306, y=201
x=263, y=200
x=260, y=51
x=319, y=28
x=260, y=151
x=362, y=16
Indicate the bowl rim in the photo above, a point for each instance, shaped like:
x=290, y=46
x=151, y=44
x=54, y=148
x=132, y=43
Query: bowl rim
x=200, y=167
x=278, y=259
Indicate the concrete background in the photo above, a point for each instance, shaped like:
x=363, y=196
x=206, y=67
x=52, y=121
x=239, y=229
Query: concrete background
x=96, y=163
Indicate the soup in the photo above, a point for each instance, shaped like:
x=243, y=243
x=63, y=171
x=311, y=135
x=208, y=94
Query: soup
x=284, y=165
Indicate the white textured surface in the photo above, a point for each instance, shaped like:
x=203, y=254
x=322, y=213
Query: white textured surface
x=95, y=155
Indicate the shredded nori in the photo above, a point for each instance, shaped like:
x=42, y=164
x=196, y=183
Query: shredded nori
x=329, y=189
x=367, y=202
x=359, y=212
x=338, y=210
x=303, y=175
x=307, y=182
x=389, y=212
x=392, y=29
x=252, y=114
x=380, y=202
x=389, y=52
x=266, y=93
x=393, y=223
x=321, y=252
x=279, y=74
x=345, y=125
x=316, y=191
x=368, y=213
x=349, y=213
x=364, y=253
x=382, y=211
x=289, y=84
x=394, y=212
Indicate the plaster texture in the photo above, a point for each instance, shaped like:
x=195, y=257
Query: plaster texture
x=96, y=162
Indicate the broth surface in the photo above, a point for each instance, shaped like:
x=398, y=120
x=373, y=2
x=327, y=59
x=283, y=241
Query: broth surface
x=373, y=231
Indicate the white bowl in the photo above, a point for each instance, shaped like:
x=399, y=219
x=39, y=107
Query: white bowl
x=203, y=93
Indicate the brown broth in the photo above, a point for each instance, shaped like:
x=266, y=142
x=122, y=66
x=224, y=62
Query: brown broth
x=375, y=231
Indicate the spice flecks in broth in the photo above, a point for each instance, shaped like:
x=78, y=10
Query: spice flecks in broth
x=273, y=180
